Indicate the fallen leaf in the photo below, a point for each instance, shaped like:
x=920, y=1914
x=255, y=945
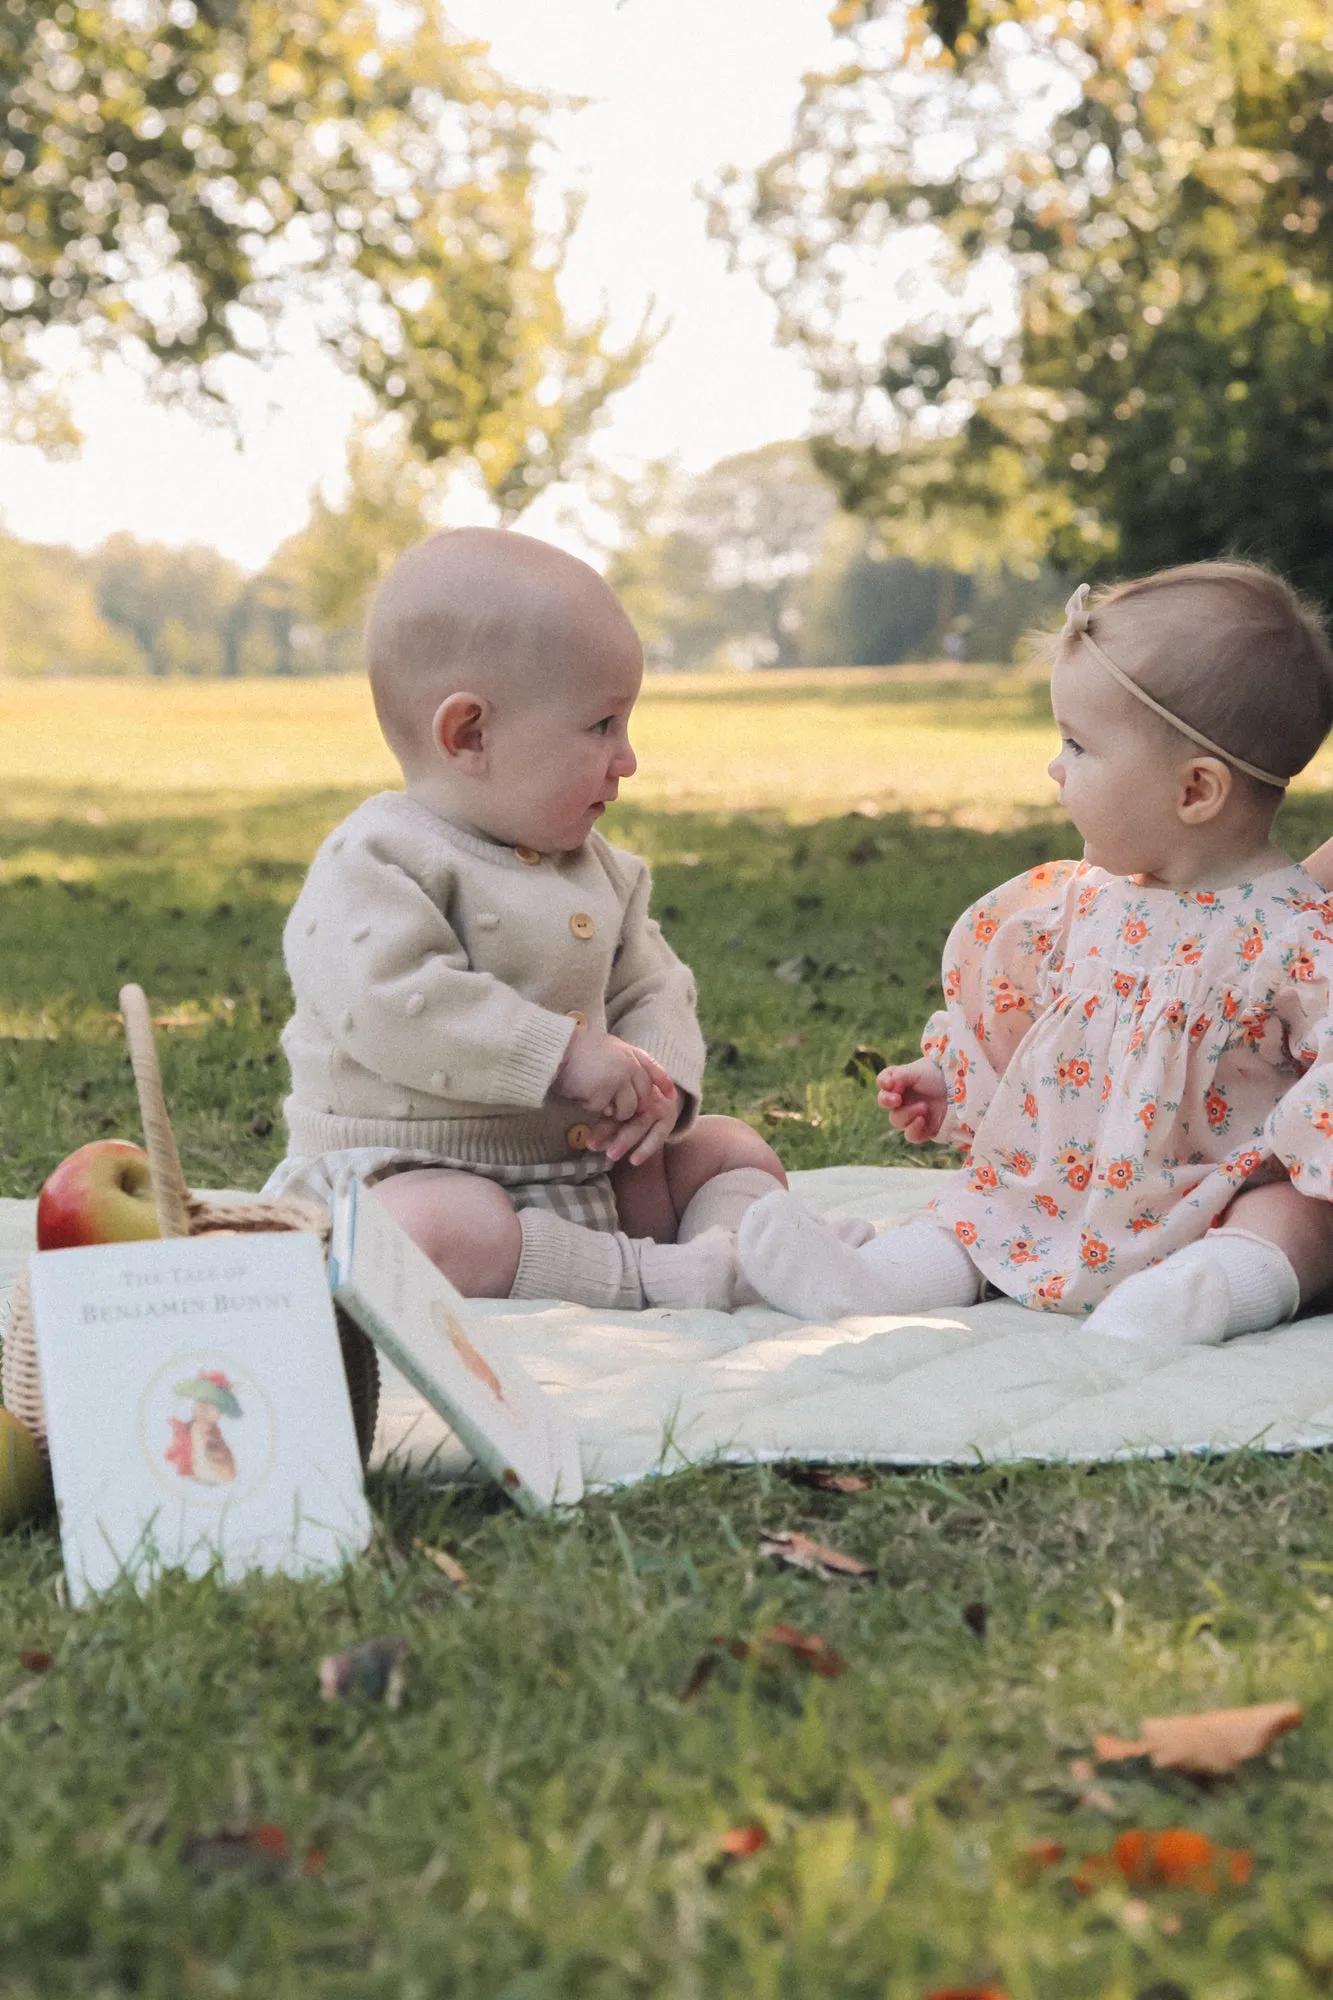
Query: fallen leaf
x=446, y=1564
x=775, y=1115
x=739, y=1841
x=975, y=1616
x=700, y=1674
x=261, y=1851
x=811, y=1647
x=1207, y=1744
x=36, y=1659
x=798, y=1551
x=1178, y=1858
x=825, y=1480
x=966, y=1993
x=1038, y=1856
x=373, y=1670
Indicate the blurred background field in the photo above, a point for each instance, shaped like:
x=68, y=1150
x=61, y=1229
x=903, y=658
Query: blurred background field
x=961, y=743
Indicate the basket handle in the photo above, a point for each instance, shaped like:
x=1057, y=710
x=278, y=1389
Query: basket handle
x=169, y=1189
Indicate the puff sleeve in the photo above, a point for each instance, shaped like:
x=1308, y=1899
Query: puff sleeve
x=1300, y=1127
x=997, y=961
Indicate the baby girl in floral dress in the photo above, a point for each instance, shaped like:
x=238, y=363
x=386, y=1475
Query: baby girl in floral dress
x=1137, y=1047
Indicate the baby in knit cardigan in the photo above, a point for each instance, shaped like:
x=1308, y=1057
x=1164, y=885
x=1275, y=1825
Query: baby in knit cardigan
x=489, y=1028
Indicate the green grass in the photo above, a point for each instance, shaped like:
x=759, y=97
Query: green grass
x=540, y=1820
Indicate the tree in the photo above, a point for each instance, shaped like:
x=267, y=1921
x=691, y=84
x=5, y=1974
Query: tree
x=1125, y=360
x=718, y=562
x=174, y=605
x=50, y=621
x=178, y=173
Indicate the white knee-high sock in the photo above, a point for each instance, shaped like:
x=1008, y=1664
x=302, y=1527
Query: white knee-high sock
x=598, y=1267
x=1228, y=1283
x=721, y=1202
x=799, y=1265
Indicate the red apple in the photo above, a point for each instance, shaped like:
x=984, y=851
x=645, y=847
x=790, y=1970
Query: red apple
x=101, y=1194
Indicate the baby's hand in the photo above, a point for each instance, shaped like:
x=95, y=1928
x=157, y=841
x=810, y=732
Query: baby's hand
x=644, y=1134
x=609, y=1078
x=915, y=1097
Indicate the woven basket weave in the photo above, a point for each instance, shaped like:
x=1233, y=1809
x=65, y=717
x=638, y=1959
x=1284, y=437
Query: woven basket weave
x=180, y=1213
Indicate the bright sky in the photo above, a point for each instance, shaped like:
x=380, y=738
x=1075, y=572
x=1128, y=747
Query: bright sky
x=681, y=87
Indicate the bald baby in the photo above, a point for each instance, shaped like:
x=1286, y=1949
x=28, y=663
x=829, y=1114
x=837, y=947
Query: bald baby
x=492, y=614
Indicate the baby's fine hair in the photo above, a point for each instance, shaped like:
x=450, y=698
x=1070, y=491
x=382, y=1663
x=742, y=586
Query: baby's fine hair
x=1230, y=649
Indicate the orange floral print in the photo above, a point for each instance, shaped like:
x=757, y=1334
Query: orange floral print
x=984, y=926
x=1023, y=1251
x=1188, y=951
x=1302, y=967
x=1095, y=1253
x=1048, y=1205
x=983, y=1177
x=1124, y=983
x=1076, y=1072
x=1148, y=1115
x=1200, y=1027
x=966, y=1232
x=1216, y=1108
x=1242, y=1165
x=1120, y=1173
x=1029, y=1105
x=1322, y=1120
x=1133, y=930
x=1051, y=1290
x=1174, y=1014
x=1252, y=944
x=1007, y=999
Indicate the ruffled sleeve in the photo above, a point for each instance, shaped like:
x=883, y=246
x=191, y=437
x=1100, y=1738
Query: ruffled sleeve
x=1300, y=1128
x=996, y=963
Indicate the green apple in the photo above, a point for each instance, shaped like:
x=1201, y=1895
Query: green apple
x=24, y=1484
x=101, y=1194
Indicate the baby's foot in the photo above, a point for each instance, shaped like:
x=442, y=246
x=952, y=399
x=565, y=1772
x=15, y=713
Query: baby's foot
x=1227, y=1284
x=849, y=1229
x=701, y=1273
x=798, y=1264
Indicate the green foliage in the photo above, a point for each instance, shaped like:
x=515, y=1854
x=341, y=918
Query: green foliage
x=178, y=174
x=1161, y=392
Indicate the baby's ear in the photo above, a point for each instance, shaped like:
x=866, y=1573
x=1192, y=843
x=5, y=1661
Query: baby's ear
x=459, y=731
x=1206, y=783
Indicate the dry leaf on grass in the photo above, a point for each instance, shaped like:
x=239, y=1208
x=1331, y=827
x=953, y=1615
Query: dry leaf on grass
x=785, y=1545
x=446, y=1564
x=810, y=1648
x=1207, y=1744
x=1178, y=1858
x=966, y=1993
x=262, y=1851
x=373, y=1670
x=36, y=1659
x=739, y=1841
x=825, y=1480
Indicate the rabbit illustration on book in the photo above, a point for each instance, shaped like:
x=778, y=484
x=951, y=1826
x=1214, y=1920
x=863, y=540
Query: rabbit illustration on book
x=198, y=1449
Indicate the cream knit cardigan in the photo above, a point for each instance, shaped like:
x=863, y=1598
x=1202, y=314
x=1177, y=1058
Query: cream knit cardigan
x=437, y=978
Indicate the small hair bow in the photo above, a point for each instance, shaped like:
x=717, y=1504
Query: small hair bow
x=1077, y=615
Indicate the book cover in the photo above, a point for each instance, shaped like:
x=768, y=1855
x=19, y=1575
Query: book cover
x=197, y=1409
x=512, y=1427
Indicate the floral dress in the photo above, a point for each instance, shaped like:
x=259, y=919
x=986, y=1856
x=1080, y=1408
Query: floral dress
x=1121, y=1062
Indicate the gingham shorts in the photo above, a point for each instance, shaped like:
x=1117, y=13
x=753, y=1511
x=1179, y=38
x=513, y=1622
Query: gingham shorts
x=577, y=1190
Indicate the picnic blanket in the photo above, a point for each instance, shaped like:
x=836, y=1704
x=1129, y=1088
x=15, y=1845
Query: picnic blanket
x=653, y=1391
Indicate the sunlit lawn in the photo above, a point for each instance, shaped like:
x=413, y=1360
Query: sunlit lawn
x=542, y=1818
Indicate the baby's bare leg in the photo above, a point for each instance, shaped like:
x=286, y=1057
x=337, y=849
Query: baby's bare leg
x=651, y=1199
x=465, y=1225
x=1301, y=1228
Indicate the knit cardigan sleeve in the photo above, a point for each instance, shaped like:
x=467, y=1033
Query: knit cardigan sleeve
x=371, y=946
x=651, y=996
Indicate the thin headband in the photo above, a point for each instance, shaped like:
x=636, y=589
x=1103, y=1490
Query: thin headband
x=1077, y=620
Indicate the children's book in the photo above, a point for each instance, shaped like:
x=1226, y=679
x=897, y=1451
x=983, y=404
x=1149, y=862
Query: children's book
x=423, y=1325
x=197, y=1409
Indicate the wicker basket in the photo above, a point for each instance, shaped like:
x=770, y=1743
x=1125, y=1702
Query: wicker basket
x=180, y=1213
